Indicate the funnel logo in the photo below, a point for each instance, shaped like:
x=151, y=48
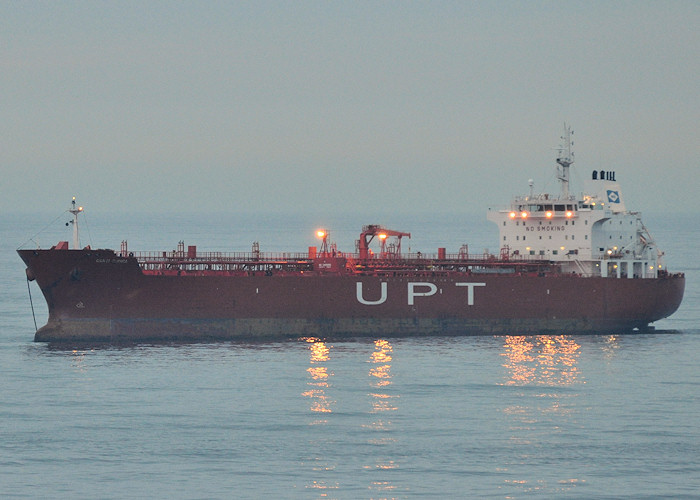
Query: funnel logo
x=613, y=196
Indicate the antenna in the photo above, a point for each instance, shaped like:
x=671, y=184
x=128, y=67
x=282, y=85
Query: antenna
x=565, y=159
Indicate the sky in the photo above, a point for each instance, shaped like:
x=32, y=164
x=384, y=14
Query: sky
x=342, y=107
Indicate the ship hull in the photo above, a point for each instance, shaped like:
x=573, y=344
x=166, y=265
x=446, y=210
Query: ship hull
x=95, y=295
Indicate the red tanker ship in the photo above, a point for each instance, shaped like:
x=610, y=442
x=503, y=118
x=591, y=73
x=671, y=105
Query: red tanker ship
x=568, y=264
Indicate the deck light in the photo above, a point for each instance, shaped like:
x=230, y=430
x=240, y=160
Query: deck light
x=549, y=215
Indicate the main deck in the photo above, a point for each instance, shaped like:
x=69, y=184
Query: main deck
x=192, y=262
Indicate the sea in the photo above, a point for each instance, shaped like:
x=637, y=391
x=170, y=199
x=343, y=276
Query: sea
x=503, y=417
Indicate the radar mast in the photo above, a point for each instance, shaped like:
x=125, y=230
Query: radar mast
x=565, y=158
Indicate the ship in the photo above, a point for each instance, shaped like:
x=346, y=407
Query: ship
x=568, y=264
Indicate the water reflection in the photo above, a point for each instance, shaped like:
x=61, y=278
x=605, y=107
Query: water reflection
x=319, y=384
x=383, y=403
x=380, y=435
x=544, y=360
x=322, y=405
x=537, y=418
x=610, y=346
x=78, y=361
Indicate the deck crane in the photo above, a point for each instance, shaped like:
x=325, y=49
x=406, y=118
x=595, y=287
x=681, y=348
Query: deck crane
x=382, y=233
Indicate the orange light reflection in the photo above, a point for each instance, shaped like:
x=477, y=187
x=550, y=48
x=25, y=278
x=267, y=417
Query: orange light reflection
x=545, y=360
x=548, y=362
x=382, y=402
x=320, y=376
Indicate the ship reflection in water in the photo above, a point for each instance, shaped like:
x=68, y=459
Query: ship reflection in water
x=547, y=365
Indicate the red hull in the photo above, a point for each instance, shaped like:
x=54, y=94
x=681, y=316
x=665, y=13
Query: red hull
x=97, y=295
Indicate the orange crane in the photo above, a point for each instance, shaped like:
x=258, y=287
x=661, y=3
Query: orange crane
x=382, y=233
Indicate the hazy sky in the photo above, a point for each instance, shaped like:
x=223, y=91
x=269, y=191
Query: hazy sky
x=343, y=106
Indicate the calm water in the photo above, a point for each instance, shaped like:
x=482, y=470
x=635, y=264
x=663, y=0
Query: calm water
x=493, y=417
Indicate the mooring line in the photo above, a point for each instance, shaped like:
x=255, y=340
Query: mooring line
x=29, y=289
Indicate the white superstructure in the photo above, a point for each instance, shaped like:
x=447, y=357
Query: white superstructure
x=592, y=234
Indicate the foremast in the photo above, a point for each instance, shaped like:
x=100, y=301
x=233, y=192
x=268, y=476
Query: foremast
x=75, y=210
